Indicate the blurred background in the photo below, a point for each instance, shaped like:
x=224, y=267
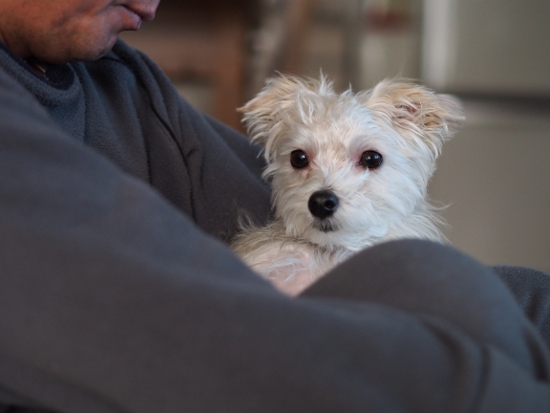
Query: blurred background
x=494, y=176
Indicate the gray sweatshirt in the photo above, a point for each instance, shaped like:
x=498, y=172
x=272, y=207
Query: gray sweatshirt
x=125, y=109
x=116, y=294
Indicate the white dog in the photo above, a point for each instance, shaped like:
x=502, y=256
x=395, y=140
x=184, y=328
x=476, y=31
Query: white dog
x=347, y=171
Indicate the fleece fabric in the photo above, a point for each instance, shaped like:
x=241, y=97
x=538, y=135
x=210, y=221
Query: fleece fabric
x=118, y=295
x=126, y=110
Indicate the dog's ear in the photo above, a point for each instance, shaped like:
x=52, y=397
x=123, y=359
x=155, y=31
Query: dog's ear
x=416, y=111
x=269, y=114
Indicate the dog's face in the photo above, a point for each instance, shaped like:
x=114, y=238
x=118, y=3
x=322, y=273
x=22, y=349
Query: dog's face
x=345, y=168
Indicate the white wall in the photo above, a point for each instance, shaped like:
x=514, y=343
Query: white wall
x=495, y=177
x=487, y=46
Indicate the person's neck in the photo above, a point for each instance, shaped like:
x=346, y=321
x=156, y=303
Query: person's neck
x=16, y=48
x=2, y=37
x=39, y=67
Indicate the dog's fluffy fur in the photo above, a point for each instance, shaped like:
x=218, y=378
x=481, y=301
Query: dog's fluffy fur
x=403, y=122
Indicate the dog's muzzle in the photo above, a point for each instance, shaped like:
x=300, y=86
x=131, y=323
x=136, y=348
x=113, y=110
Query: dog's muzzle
x=323, y=204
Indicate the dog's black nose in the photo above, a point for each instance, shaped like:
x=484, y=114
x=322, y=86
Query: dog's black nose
x=322, y=204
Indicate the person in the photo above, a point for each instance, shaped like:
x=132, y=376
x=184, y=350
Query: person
x=118, y=292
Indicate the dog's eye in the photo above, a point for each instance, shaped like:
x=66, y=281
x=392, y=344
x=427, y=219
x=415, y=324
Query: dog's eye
x=371, y=159
x=298, y=159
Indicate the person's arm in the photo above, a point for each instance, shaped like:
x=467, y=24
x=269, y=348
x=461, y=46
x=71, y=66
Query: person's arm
x=112, y=300
x=136, y=118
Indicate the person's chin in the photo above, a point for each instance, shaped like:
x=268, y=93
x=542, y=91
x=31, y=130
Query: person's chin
x=98, y=52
